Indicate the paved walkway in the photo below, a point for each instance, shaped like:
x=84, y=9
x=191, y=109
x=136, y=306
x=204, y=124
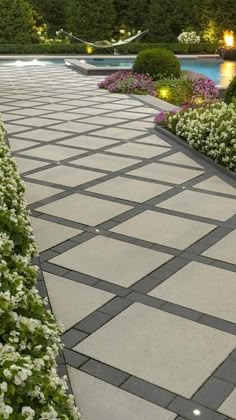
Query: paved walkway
x=138, y=249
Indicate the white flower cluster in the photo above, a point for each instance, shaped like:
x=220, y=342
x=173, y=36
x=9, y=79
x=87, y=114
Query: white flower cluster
x=211, y=129
x=29, y=335
x=190, y=37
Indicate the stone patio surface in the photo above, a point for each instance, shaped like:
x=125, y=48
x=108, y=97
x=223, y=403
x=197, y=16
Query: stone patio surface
x=137, y=241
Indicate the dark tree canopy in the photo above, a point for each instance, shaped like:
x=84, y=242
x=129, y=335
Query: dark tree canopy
x=52, y=12
x=92, y=20
x=16, y=19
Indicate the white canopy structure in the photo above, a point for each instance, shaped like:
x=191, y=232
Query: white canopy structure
x=108, y=44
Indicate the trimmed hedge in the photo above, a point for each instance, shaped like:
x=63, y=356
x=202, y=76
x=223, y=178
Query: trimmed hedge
x=29, y=335
x=157, y=63
x=132, y=48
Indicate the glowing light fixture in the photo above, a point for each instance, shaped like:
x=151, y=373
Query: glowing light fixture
x=89, y=49
x=164, y=93
x=229, y=38
x=82, y=61
x=197, y=412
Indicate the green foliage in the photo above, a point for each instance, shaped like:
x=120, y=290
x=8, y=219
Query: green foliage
x=91, y=20
x=175, y=91
x=230, y=94
x=210, y=128
x=29, y=335
x=51, y=12
x=132, y=48
x=157, y=63
x=131, y=14
x=16, y=19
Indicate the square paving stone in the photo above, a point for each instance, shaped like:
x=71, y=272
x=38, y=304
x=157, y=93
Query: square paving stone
x=224, y=250
x=72, y=301
x=105, y=162
x=35, y=192
x=18, y=144
x=87, y=210
x=129, y=189
x=26, y=165
x=148, y=343
x=138, y=150
x=217, y=184
x=43, y=135
x=110, y=402
x=75, y=127
x=88, y=142
x=66, y=175
x=166, y=173
x=55, y=107
x=201, y=287
x=155, y=140
x=53, y=152
x=181, y=159
x=200, y=204
x=38, y=121
x=49, y=234
x=103, y=120
x=118, y=133
x=14, y=128
x=164, y=229
x=138, y=125
x=229, y=406
x=114, y=261
x=31, y=112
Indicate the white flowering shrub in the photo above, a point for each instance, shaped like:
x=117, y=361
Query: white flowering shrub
x=29, y=335
x=190, y=37
x=211, y=129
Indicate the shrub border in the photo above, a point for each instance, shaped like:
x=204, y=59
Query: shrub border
x=166, y=134
x=24, y=263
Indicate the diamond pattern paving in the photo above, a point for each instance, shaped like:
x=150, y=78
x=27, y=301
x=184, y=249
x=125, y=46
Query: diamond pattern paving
x=87, y=210
x=112, y=260
x=164, y=229
x=201, y=287
x=159, y=356
x=140, y=272
x=129, y=407
x=72, y=301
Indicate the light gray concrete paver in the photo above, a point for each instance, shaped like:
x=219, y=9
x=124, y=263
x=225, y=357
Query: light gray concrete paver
x=87, y=210
x=128, y=406
x=111, y=260
x=201, y=287
x=164, y=229
x=160, y=356
x=72, y=301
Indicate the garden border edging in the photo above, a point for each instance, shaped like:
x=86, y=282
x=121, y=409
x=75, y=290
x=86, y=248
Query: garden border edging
x=167, y=134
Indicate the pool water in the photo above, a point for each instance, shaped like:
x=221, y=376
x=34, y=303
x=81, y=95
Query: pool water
x=33, y=62
x=221, y=72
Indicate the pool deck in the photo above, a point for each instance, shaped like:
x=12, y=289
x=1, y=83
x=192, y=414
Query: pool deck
x=137, y=247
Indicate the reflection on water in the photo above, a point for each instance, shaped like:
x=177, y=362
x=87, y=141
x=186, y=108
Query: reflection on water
x=227, y=72
x=218, y=70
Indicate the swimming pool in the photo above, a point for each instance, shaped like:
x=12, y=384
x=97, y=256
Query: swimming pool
x=34, y=62
x=216, y=69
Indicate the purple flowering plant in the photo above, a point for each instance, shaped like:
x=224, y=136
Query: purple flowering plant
x=127, y=82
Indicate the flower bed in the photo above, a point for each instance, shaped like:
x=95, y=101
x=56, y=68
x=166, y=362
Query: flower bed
x=191, y=87
x=209, y=128
x=127, y=82
x=29, y=335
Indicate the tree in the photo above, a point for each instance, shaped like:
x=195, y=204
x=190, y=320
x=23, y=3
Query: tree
x=91, y=20
x=159, y=21
x=51, y=12
x=16, y=19
x=131, y=14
